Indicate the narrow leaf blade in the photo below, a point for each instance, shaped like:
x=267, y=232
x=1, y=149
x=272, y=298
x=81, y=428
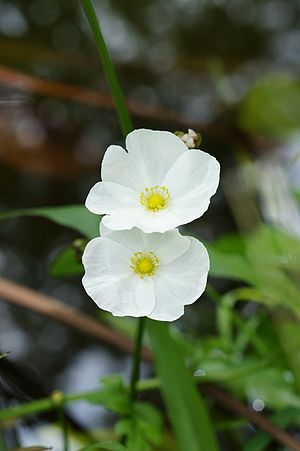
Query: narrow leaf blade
x=185, y=407
x=76, y=217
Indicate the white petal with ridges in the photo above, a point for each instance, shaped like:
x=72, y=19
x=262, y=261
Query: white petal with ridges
x=116, y=167
x=168, y=246
x=108, y=278
x=180, y=283
x=134, y=240
x=110, y=281
x=192, y=181
x=160, y=221
x=152, y=153
x=145, y=296
x=106, y=197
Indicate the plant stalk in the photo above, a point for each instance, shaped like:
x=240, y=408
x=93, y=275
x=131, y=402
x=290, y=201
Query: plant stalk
x=110, y=74
x=126, y=126
x=135, y=372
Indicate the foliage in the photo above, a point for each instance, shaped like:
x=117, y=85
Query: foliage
x=185, y=407
x=254, y=351
x=76, y=217
x=114, y=446
x=271, y=107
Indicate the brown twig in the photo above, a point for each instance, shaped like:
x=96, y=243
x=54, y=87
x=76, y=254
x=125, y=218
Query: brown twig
x=255, y=418
x=30, y=299
x=80, y=94
x=52, y=308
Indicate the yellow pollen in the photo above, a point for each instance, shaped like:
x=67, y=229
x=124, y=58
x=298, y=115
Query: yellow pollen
x=155, y=198
x=144, y=264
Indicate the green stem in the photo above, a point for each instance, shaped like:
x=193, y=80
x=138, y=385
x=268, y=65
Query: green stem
x=3, y=446
x=126, y=126
x=112, y=79
x=47, y=404
x=64, y=427
x=135, y=372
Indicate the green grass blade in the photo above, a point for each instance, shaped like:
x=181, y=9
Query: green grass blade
x=186, y=409
x=108, y=68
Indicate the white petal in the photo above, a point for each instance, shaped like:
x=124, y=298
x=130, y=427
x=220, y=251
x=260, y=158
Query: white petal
x=106, y=259
x=109, y=280
x=106, y=197
x=138, y=216
x=116, y=167
x=134, y=240
x=168, y=246
x=145, y=296
x=153, y=153
x=160, y=221
x=180, y=283
x=192, y=181
x=121, y=219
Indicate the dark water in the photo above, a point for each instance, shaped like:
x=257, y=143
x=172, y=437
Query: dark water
x=195, y=58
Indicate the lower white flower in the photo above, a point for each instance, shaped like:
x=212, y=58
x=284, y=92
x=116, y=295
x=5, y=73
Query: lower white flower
x=130, y=273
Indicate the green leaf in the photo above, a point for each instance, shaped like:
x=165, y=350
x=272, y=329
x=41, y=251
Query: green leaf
x=67, y=263
x=143, y=429
x=287, y=329
x=229, y=266
x=76, y=217
x=113, y=446
x=297, y=196
x=267, y=114
x=31, y=448
x=113, y=395
x=185, y=407
x=269, y=261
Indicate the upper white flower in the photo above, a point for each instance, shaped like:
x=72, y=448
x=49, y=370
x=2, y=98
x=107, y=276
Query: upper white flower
x=156, y=186
x=130, y=273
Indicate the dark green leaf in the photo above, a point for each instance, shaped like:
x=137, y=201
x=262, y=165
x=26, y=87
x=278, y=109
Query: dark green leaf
x=76, y=217
x=67, y=263
x=113, y=446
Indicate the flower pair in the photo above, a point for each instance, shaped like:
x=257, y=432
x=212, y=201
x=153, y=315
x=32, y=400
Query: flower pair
x=141, y=265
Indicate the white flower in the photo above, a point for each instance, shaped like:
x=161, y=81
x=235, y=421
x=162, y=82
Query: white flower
x=130, y=273
x=157, y=186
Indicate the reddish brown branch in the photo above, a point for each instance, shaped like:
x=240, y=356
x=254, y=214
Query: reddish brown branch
x=255, y=418
x=52, y=308
x=80, y=94
x=30, y=299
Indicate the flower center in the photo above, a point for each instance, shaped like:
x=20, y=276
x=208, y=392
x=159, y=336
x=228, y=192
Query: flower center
x=155, y=198
x=144, y=264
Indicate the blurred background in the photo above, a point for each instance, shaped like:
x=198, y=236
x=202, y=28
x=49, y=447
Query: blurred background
x=227, y=69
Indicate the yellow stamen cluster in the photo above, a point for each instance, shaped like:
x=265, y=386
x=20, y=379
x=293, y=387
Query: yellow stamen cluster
x=155, y=198
x=144, y=264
